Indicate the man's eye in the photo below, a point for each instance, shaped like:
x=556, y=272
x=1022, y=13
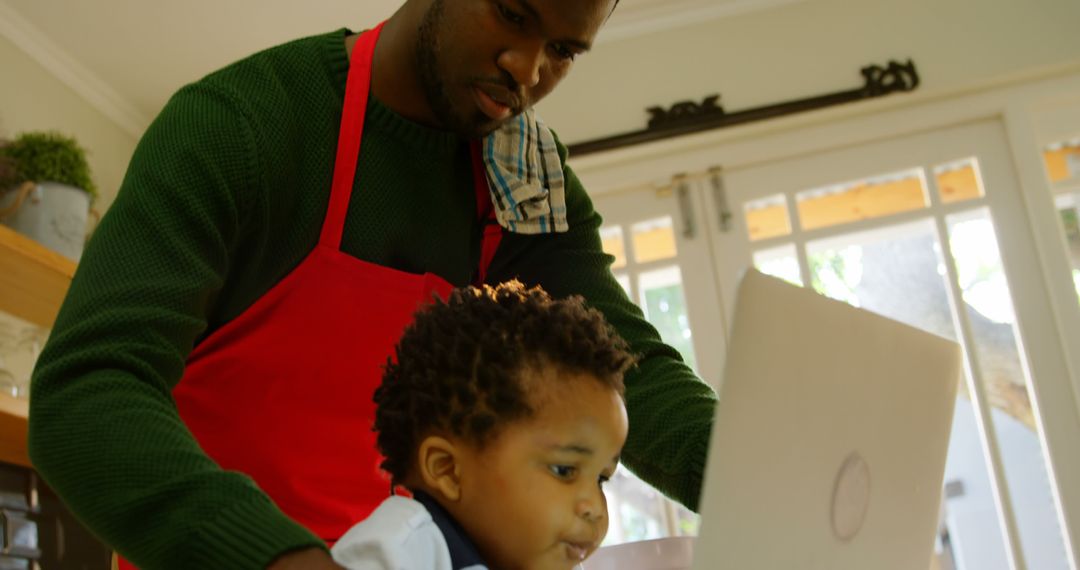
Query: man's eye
x=563, y=52
x=563, y=471
x=511, y=16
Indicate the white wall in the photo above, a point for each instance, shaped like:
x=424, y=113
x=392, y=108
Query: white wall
x=805, y=49
x=33, y=99
x=757, y=58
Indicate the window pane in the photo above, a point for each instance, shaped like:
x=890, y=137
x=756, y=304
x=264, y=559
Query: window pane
x=664, y=304
x=863, y=199
x=779, y=262
x=624, y=280
x=653, y=240
x=897, y=272
x=611, y=237
x=639, y=512
x=767, y=218
x=635, y=508
x=958, y=181
x=1068, y=206
x=1062, y=160
x=988, y=303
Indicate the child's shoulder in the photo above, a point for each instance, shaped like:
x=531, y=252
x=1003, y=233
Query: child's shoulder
x=400, y=533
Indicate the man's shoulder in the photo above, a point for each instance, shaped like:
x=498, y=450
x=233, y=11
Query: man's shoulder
x=292, y=51
x=564, y=153
x=308, y=62
x=285, y=90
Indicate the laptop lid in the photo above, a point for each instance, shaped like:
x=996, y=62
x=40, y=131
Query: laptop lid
x=829, y=444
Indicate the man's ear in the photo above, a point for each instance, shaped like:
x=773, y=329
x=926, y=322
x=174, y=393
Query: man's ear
x=439, y=461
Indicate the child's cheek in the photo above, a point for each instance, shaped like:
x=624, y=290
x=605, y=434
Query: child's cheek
x=501, y=485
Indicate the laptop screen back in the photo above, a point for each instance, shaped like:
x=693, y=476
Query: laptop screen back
x=828, y=449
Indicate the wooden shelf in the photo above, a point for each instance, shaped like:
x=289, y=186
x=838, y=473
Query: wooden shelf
x=13, y=414
x=33, y=278
x=33, y=282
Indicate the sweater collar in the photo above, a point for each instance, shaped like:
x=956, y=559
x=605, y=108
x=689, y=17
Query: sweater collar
x=413, y=135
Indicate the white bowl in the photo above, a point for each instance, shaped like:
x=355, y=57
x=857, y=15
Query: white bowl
x=661, y=554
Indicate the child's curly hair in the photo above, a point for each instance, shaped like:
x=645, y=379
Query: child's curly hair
x=459, y=365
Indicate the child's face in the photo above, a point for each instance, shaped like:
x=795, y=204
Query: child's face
x=532, y=498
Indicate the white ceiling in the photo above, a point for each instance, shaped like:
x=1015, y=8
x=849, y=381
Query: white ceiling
x=126, y=57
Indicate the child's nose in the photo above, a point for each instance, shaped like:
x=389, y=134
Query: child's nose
x=593, y=506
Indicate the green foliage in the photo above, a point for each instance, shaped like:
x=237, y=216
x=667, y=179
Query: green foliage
x=666, y=310
x=7, y=166
x=45, y=157
x=837, y=273
x=1072, y=225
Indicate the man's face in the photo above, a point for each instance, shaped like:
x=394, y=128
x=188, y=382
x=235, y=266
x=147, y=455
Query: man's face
x=532, y=498
x=482, y=62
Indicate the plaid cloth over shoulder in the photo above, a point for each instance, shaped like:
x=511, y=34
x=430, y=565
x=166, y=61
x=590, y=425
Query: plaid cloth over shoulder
x=525, y=176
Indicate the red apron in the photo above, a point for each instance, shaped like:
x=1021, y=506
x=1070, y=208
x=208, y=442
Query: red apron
x=284, y=392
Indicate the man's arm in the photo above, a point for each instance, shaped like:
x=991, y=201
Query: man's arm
x=306, y=559
x=670, y=408
x=104, y=430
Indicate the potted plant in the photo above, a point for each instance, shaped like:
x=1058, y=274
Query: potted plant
x=46, y=190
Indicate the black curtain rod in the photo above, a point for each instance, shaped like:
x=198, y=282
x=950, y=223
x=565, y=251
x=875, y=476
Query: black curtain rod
x=686, y=117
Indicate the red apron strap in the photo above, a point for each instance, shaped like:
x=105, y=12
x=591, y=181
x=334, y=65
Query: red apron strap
x=357, y=87
x=485, y=211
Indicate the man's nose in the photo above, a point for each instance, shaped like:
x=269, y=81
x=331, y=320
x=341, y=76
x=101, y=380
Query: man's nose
x=523, y=63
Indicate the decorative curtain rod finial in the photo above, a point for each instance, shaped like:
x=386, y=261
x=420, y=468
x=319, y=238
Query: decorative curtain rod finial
x=896, y=78
x=684, y=112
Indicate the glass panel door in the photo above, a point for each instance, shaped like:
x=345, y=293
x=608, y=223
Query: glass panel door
x=663, y=260
x=1062, y=162
x=910, y=228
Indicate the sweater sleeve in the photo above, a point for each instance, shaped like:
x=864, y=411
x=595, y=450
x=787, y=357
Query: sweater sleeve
x=104, y=429
x=670, y=409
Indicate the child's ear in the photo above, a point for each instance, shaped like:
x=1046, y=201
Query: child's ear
x=440, y=466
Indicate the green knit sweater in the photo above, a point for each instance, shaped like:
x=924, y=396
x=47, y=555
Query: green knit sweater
x=226, y=194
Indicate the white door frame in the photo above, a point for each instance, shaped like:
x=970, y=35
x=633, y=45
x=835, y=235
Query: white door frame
x=692, y=251
x=1051, y=334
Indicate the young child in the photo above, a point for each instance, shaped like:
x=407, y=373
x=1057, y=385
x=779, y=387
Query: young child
x=503, y=416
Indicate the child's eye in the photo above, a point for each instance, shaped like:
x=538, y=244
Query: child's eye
x=604, y=479
x=510, y=15
x=563, y=471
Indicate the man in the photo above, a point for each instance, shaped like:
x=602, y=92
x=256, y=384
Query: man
x=199, y=401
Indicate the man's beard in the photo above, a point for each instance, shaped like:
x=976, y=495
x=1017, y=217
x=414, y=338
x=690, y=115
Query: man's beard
x=432, y=81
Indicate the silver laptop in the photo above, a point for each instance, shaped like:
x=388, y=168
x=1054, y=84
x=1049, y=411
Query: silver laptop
x=829, y=445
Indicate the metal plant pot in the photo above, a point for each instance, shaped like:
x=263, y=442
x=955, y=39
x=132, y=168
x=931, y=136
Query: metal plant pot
x=52, y=214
